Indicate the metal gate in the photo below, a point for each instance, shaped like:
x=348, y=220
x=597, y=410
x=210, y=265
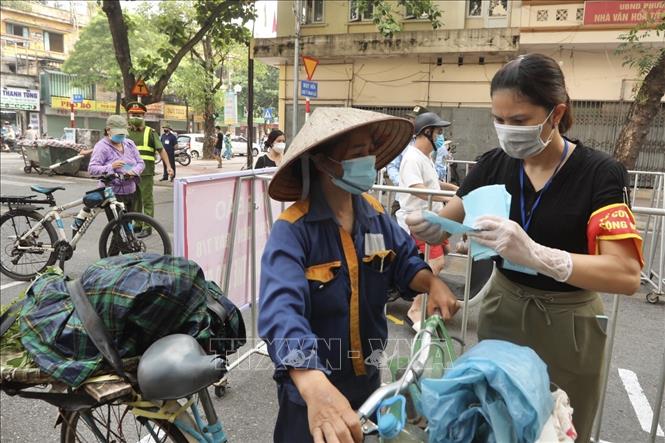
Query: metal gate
x=598, y=124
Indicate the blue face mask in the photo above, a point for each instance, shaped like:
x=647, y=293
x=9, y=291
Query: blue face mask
x=118, y=138
x=438, y=142
x=359, y=174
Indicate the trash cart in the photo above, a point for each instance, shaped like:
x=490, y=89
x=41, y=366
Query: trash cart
x=39, y=155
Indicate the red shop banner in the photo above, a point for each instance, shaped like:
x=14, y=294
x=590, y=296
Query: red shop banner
x=622, y=12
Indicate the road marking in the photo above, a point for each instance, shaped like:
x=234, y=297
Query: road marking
x=638, y=400
x=40, y=179
x=394, y=319
x=9, y=285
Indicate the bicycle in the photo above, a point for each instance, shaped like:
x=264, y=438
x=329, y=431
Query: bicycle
x=31, y=243
x=158, y=402
x=431, y=354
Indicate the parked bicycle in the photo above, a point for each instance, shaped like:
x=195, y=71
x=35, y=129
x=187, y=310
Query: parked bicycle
x=30, y=242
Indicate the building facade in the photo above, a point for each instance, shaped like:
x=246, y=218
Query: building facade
x=449, y=69
x=35, y=36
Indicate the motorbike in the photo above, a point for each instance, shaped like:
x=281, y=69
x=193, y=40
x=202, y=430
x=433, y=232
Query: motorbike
x=181, y=156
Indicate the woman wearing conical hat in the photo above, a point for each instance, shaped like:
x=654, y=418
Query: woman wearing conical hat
x=326, y=270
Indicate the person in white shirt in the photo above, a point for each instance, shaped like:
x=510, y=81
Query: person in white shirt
x=417, y=171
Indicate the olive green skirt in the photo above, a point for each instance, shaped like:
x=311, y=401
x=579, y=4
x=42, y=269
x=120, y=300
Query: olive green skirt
x=563, y=330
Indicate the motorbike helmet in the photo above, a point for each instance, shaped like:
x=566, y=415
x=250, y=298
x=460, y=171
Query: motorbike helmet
x=429, y=120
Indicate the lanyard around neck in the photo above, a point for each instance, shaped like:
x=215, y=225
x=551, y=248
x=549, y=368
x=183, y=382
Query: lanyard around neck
x=526, y=222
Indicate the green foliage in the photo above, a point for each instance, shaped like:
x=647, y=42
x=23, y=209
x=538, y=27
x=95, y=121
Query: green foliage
x=386, y=17
x=637, y=54
x=193, y=82
x=20, y=5
x=93, y=60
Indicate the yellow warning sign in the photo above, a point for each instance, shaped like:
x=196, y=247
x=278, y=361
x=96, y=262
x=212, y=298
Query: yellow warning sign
x=140, y=88
x=310, y=66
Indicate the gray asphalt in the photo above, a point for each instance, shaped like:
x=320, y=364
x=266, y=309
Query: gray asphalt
x=248, y=409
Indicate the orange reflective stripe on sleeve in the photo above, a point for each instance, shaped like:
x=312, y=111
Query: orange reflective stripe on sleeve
x=613, y=222
x=357, y=358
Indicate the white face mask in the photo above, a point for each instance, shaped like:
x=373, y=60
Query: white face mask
x=279, y=147
x=522, y=141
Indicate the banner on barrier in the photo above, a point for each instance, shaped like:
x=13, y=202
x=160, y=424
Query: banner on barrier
x=205, y=231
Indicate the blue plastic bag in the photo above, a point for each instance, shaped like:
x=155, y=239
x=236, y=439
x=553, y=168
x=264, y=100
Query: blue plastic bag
x=495, y=392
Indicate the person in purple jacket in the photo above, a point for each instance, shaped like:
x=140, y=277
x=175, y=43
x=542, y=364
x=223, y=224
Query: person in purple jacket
x=115, y=153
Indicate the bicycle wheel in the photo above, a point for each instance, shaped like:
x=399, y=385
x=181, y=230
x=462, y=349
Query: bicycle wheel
x=122, y=236
x=184, y=159
x=115, y=423
x=25, y=264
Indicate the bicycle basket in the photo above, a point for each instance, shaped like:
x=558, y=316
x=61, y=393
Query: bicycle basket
x=94, y=198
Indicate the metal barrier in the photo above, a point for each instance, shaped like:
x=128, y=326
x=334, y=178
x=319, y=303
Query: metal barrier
x=655, y=215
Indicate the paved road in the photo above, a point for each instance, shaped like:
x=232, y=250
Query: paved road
x=248, y=410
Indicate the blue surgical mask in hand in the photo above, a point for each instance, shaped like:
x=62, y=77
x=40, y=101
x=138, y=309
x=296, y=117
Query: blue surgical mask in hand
x=118, y=138
x=358, y=176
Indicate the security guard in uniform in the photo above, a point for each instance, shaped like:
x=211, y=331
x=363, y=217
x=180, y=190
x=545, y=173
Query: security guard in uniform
x=149, y=145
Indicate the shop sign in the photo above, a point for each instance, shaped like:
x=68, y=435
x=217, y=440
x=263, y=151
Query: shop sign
x=230, y=108
x=19, y=98
x=106, y=107
x=622, y=12
x=155, y=108
x=65, y=103
x=175, y=112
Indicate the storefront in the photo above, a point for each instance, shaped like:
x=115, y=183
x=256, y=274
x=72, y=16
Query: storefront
x=20, y=107
x=90, y=114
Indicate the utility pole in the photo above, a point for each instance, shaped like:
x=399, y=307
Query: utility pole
x=297, y=6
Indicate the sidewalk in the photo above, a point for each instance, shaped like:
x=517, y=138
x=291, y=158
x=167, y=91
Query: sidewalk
x=201, y=167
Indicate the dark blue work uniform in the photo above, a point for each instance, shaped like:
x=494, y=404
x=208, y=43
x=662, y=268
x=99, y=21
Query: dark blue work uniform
x=322, y=299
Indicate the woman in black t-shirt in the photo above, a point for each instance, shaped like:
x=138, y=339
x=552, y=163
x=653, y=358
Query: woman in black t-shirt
x=275, y=143
x=569, y=222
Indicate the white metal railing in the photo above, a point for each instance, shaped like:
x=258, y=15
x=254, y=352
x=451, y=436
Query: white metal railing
x=658, y=214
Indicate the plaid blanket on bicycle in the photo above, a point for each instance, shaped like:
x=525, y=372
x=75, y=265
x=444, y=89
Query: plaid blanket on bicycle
x=140, y=298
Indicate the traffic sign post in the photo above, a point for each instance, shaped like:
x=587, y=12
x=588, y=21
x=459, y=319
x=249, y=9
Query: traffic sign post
x=140, y=89
x=76, y=98
x=268, y=115
x=308, y=89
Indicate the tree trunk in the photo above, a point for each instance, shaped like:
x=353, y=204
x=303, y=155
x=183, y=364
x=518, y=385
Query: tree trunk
x=119, y=33
x=208, y=101
x=641, y=114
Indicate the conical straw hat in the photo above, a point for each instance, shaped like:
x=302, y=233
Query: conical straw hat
x=390, y=135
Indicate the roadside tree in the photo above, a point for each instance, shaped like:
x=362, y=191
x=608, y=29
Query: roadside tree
x=649, y=60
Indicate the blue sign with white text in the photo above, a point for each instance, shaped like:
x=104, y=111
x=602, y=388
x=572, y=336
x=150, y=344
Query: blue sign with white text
x=77, y=98
x=309, y=88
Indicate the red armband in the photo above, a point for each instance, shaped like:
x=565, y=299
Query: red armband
x=613, y=222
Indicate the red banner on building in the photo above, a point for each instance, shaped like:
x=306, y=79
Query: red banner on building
x=622, y=12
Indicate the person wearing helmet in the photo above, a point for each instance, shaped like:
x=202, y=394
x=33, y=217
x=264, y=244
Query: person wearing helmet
x=326, y=269
x=417, y=171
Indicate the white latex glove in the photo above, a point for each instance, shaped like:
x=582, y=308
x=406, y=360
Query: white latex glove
x=510, y=241
x=431, y=233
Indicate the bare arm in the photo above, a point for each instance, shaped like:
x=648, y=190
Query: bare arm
x=615, y=270
x=440, y=296
x=435, y=198
x=330, y=416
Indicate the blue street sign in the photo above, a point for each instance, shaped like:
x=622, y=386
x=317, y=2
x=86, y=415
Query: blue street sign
x=267, y=114
x=309, y=88
x=77, y=98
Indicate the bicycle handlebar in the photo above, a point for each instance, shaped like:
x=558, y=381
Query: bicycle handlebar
x=414, y=370
x=107, y=179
